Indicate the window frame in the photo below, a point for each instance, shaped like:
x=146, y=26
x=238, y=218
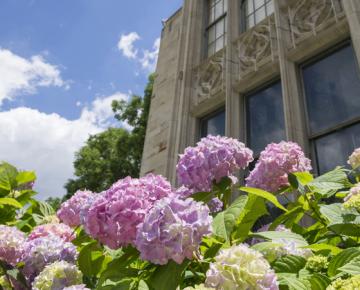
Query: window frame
x=311, y=137
x=209, y=25
x=207, y=117
x=245, y=16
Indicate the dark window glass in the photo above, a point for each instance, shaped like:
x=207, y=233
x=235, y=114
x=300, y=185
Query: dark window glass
x=214, y=124
x=333, y=149
x=265, y=118
x=332, y=88
x=216, y=31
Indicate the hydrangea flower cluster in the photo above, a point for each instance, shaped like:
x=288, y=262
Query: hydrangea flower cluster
x=173, y=230
x=42, y=251
x=57, y=276
x=354, y=159
x=69, y=212
x=353, y=191
x=274, y=165
x=353, y=202
x=317, y=264
x=76, y=287
x=114, y=216
x=240, y=267
x=213, y=158
x=348, y=284
x=198, y=287
x=11, y=244
x=62, y=231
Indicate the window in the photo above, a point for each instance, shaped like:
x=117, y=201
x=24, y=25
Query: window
x=254, y=11
x=332, y=92
x=265, y=117
x=216, y=30
x=213, y=124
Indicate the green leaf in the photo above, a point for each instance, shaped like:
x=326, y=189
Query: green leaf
x=278, y=236
x=341, y=259
x=293, y=282
x=168, y=277
x=8, y=175
x=224, y=223
x=341, y=221
x=10, y=201
x=299, y=180
x=318, y=281
x=91, y=260
x=264, y=194
x=25, y=177
x=289, y=264
x=254, y=209
x=324, y=247
x=202, y=196
x=143, y=285
x=352, y=268
x=329, y=183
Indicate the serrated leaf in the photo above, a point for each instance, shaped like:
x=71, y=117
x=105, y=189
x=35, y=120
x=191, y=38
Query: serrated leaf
x=341, y=259
x=278, y=236
x=324, y=247
x=352, y=268
x=10, y=201
x=329, y=183
x=318, y=281
x=289, y=264
x=168, y=277
x=224, y=223
x=25, y=177
x=264, y=194
x=8, y=175
x=293, y=282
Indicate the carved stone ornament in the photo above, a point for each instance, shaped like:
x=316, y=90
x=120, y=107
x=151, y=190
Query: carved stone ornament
x=257, y=46
x=308, y=17
x=209, y=78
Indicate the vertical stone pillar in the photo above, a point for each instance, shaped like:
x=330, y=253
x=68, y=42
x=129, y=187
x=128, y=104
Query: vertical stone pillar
x=295, y=120
x=352, y=11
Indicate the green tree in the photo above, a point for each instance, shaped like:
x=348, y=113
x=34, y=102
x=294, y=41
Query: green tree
x=116, y=152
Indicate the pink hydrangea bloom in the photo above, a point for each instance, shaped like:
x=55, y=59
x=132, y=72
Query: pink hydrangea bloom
x=115, y=215
x=45, y=250
x=62, y=231
x=11, y=244
x=213, y=158
x=275, y=162
x=354, y=159
x=69, y=212
x=173, y=230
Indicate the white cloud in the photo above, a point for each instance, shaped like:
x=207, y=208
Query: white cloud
x=23, y=76
x=46, y=143
x=147, y=58
x=126, y=44
x=100, y=112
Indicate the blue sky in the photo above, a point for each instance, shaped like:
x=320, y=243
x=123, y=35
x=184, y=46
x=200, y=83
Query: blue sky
x=61, y=64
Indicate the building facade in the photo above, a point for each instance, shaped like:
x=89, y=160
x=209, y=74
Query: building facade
x=260, y=71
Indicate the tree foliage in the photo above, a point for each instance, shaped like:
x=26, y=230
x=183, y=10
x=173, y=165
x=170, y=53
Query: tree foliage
x=116, y=152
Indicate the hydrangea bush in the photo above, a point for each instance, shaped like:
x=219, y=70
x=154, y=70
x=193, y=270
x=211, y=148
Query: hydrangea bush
x=209, y=233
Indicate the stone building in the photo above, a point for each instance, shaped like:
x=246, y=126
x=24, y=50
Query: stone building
x=260, y=71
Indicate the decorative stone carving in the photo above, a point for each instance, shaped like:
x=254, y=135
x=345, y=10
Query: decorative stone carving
x=209, y=78
x=308, y=17
x=257, y=46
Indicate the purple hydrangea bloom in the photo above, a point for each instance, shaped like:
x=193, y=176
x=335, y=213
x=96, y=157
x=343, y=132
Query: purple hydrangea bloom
x=69, y=212
x=114, y=216
x=173, y=230
x=275, y=162
x=46, y=250
x=215, y=205
x=11, y=244
x=62, y=231
x=213, y=158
